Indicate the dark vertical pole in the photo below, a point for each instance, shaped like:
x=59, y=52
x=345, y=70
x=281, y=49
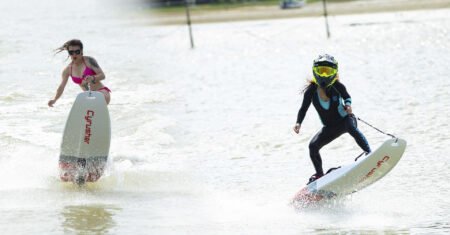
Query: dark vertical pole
x=188, y=18
x=325, y=14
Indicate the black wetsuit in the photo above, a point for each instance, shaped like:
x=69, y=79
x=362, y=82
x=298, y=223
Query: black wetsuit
x=334, y=118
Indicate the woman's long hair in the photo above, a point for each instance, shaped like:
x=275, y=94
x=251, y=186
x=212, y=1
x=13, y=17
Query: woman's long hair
x=65, y=46
x=309, y=83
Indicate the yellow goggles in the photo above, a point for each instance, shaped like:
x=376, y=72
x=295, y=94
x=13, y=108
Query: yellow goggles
x=324, y=71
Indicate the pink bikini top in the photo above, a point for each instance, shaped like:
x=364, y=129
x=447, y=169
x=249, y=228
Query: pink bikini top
x=87, y=71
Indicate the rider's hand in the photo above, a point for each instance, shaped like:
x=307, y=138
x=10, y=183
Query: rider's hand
x=297, y=128
x=348, y=109
x=85, y=84
x=51, y=102
x=90, y=79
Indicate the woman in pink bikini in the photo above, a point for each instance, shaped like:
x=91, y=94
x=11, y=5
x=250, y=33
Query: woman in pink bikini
x=84, y=71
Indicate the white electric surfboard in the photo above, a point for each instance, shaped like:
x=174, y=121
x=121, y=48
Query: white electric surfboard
x=86, y=139
x=355, y=176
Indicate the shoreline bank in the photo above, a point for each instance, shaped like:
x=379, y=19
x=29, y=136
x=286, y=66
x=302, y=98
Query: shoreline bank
x=244, y=13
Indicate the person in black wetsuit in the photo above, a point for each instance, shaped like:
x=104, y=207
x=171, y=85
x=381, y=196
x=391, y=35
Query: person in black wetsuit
x=333, y=104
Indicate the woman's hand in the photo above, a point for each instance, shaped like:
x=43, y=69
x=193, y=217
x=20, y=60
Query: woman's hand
x=84, y=82
x=90, y=79
x=297, y=128
x=348, y=109
x=51, y=103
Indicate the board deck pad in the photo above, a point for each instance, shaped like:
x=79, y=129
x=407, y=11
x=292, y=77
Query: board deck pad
x=86, y=139
x=355, y=176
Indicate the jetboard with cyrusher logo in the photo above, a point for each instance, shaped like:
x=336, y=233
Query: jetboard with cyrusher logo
x=352, y=177
x=86, y=139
